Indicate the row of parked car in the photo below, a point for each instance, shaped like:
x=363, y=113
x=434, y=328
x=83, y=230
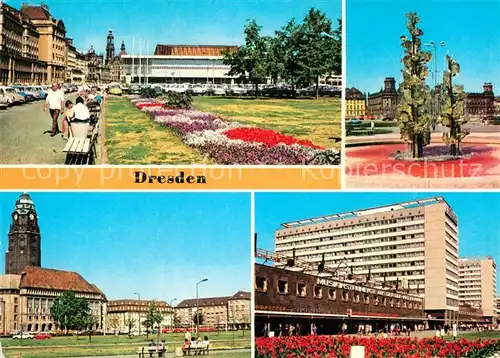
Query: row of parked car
x=20, y=94
x=27, y=335
x=236, y=90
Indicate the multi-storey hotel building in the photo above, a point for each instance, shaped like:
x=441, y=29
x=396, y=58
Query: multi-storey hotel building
x=411, y=245
x=478, y=285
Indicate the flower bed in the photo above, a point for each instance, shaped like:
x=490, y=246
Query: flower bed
x=406, y=347
x=229, y=143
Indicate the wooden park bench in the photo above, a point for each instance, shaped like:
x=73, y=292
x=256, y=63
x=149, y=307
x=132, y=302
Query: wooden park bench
x=362, y=132
x=146, y=352
x=82, y=150
x=198, y=348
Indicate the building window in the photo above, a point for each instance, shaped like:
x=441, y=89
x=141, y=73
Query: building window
x=367, y=299
x=410, y=305
x=375, y=300
x=391, y=302
x=398, y=303
x=301, y=289
x=345, y=296
x=404, y=304
x=261, y=284
x=282, y=287
x=356, y=297
x=332, y=294
x=318, y=292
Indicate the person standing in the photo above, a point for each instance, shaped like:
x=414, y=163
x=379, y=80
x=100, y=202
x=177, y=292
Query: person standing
x=454, y=331
x=54, y=103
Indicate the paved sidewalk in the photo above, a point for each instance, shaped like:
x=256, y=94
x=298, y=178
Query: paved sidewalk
x=226, y=353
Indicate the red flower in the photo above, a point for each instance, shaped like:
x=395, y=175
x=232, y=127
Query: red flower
x=266, y=136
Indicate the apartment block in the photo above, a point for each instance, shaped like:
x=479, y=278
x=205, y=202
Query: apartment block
x=411, y=245
x=478, y=284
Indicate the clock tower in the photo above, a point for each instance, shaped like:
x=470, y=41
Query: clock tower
x=24, y=237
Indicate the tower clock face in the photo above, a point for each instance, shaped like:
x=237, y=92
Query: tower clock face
x=32, y=216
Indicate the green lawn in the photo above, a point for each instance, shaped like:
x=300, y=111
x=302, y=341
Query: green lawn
x=133, y=138
x=311, y=119
x=476, y=335
x=112, y=345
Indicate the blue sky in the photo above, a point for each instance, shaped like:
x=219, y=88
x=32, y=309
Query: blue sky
x=468, y=27
x=157, y=244
x=479, y=229
x=211, y=22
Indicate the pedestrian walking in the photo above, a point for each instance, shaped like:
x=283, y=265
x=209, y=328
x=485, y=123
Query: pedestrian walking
x=54, y=103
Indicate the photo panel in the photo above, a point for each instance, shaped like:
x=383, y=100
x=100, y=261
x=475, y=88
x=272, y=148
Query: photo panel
x=422, y=104
x=196, y=85
x=125, y=274
x=360, y=273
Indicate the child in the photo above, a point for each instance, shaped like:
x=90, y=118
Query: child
x=66, y=119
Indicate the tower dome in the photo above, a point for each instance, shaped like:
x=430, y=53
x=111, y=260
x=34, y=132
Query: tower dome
x=24, y=203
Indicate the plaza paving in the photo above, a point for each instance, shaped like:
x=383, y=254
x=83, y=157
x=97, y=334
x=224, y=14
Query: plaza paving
x=22, y=138
x=480, y=137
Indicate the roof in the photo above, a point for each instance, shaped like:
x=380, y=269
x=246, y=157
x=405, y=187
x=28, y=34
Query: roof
x=35, y=12
x=136, y=302
x=204, y=302
x=241, y=295
x=354, y=93
x=367, y=211
x=193, y=50
x=37, y=277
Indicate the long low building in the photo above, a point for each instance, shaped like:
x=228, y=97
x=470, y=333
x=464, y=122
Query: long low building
x=128, y=313
x=179, y=64
x=289, y=297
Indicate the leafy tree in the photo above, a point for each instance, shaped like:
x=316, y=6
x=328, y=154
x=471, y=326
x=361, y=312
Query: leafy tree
x=129, y=322
x=89, y=323
x=153, y=318
x=453, y=114
x=275, y=64
x=249, y=61
x=319, y=48
x=288, y=38
x=412, y=112
x=198, y=318
x=69, y=311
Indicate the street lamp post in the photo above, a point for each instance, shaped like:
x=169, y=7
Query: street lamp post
x=197, y=313
x=435, y=107
x=173, y=311
x=139, y=299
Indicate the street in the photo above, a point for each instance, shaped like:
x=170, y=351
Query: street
x=22, y=138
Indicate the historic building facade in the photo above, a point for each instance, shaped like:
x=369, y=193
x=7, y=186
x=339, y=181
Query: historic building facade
x=122, y=312
x=27, y=291
x=114, y=64
x=95, y=64
x=481, y=105
x=52, y=41
x=355, y=103
x=383, y=104
x=19, y=60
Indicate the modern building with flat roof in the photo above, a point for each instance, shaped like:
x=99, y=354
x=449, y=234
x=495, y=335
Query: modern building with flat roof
x=478, y=285
x=179, y=64
x=411, y=245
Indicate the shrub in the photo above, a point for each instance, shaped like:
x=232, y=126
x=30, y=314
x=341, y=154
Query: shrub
x=178, y=100
x=149, y=92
